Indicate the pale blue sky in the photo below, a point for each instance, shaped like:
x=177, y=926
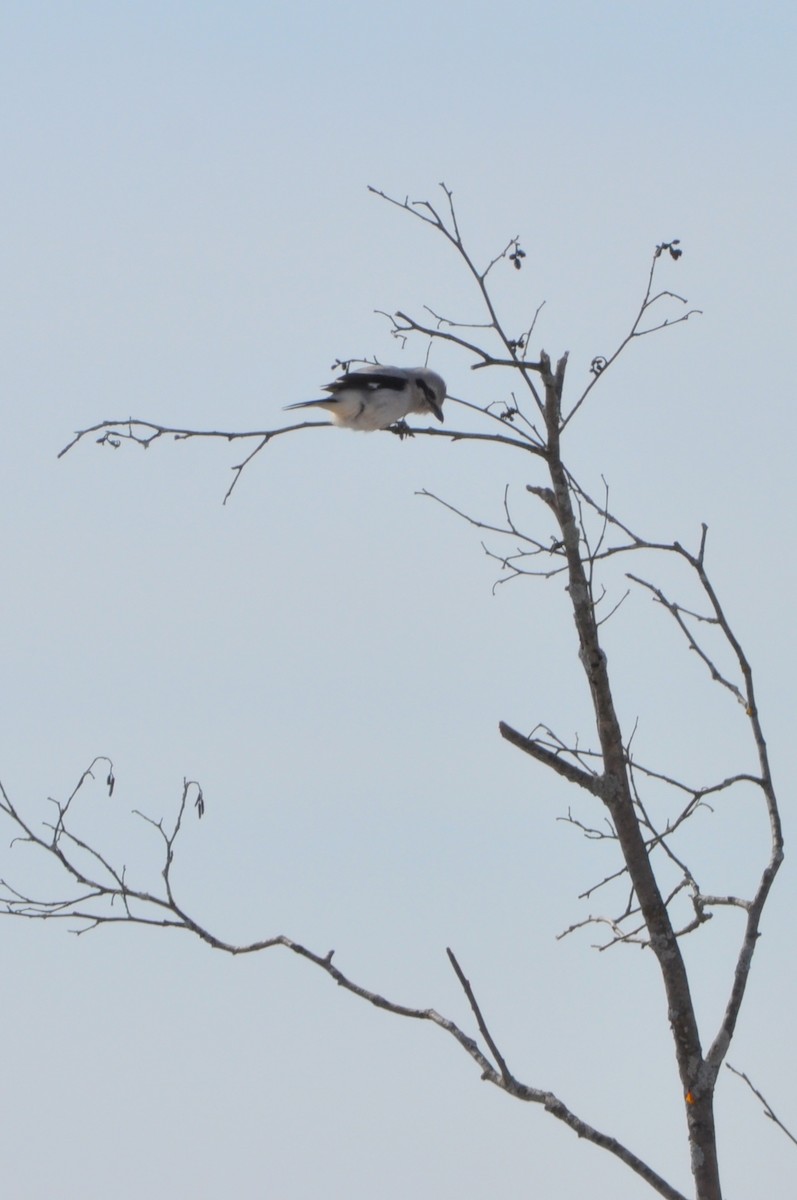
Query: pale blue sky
x=187, y=236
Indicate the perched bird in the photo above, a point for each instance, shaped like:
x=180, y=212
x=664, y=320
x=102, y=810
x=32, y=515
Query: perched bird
x=377, y=397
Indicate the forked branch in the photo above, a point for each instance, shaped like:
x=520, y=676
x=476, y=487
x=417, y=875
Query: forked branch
x=655, y=878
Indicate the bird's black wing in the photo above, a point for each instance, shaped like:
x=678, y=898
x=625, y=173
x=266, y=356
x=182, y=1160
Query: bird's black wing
x=368, y=381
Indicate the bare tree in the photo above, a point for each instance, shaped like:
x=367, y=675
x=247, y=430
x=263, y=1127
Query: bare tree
x=664, y=900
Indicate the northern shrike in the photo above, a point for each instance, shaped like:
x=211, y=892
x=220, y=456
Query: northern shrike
x=376, y=397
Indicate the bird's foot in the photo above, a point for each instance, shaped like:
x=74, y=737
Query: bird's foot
x=402, y=429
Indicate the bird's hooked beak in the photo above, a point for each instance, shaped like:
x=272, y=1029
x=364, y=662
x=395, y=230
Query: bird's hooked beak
x=432, y=403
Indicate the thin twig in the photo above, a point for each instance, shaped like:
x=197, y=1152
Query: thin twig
x=468, y=990
x=768, y=1112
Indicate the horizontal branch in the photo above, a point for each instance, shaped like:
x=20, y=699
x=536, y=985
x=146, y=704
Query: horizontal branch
x=142, y=432
x=520, y=364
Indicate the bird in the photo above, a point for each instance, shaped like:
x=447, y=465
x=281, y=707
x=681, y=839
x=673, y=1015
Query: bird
x=378, y=397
